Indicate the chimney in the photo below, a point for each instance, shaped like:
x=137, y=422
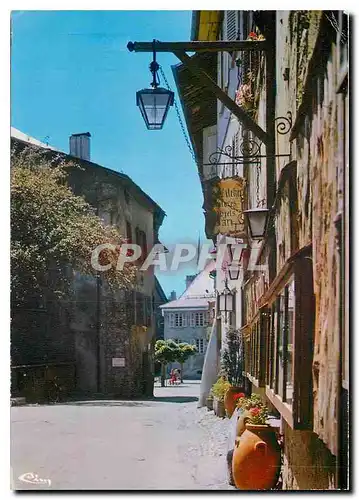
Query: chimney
x=189, y=280
x=80, y=145
x=173, y=295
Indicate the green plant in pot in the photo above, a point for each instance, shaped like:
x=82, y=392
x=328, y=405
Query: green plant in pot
x=232, y=366
x=219, y=390
x=246, y=404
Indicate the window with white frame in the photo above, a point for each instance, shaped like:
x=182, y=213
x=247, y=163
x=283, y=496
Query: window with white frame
x=171, y=320
x=177, y=320
x=200, y=346
x=198, y=319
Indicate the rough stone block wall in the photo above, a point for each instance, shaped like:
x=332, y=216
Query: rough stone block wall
x=316, y=146
x=307, y=462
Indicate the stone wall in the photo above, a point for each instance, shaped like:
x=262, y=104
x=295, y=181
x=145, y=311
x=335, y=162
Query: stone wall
x=318, y=127
x=93, y=326
x=307, y=462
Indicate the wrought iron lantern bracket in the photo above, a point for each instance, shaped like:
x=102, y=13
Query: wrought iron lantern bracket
x=250, y=149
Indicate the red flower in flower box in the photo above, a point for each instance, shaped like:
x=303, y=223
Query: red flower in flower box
x=254, y=411
x=252, y=34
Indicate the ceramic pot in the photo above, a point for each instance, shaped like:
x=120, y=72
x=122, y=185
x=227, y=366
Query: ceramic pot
x=241, y=422
x=229, y=402
x=218, y=407
x=256, y=458
x=229, y=468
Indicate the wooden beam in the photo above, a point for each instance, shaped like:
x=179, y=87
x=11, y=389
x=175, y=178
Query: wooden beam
x=199, y=46
x=207, y=81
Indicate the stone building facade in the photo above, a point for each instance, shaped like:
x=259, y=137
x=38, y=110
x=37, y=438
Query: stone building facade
x=294, y=308
x=109, y=334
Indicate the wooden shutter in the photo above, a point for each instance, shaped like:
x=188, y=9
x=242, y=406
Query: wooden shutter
x=231, y=25
x=128, y=232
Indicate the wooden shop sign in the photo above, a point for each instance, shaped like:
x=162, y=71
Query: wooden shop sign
x=229, y=204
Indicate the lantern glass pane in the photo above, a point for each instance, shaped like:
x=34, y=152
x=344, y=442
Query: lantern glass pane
x=229, y=302
x=154, y=105
x=233, y=272
x=257, y=219
x=222, y=302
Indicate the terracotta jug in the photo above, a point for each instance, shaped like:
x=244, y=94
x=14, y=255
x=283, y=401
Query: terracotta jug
x=241, y=422
x=229, y=401
x=256, y=458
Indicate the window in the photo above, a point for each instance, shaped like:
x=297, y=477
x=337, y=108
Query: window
x=279, y=344
x=171, y=320
x=177, y=320
x=198, y=319
x=141, y=241
x=278, y=347
x=200, y=346
x=143, y=244
x=253, y=352
x=128, y=232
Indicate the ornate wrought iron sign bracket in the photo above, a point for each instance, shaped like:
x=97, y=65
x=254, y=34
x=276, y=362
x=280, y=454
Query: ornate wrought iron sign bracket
x=250, y=148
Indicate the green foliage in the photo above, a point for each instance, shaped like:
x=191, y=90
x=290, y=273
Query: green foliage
x=253, y=401
x=259, y=415
x=258, y=412
x=232, y=358
x=166, y=351
x=185, y=352
x=52, y=228
x=220, y=388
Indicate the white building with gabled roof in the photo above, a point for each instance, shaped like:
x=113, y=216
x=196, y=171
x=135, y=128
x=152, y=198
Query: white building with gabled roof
x=189, y=319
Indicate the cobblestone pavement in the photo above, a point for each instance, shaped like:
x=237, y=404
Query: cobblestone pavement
x=166, y=443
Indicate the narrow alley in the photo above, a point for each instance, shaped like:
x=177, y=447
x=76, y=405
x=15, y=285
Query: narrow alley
x=164, y=443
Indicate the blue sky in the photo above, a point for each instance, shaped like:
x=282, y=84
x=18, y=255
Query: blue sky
x=71, y=72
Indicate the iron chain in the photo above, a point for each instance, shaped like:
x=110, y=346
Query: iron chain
x=190, y=148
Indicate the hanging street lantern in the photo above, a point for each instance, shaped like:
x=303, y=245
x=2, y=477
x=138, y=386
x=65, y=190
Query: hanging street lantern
x=233, y=270
x=257, y=221
x=226, y=301
x=154, y=103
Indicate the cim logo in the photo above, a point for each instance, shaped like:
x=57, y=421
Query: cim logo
x=33, y=478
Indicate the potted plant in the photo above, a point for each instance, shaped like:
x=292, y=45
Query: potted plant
x=245, y=404
x=209, y=401
x=256, y=457
x=232, y=366
x=219, y=390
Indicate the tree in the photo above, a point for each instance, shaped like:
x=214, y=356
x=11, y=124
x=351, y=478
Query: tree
x=232, y=358
x=185, y=352
x=166, y=351
x=52, y=228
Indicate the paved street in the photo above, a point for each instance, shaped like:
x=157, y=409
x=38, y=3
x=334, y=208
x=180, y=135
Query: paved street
x=165, y=443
